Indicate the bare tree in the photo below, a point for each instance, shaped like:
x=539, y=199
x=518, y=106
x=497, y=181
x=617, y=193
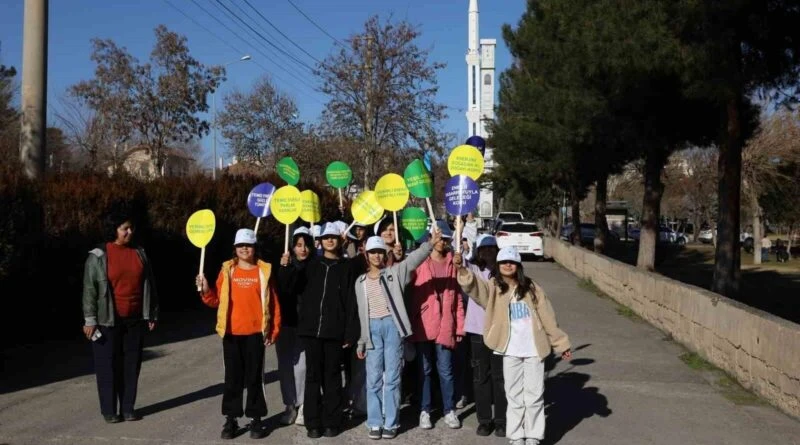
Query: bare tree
x=777, y=142
x=261, y=125
x=382, y=91
x=157, y=102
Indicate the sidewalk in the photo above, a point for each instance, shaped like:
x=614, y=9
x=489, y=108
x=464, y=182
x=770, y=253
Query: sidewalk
x=626, y=385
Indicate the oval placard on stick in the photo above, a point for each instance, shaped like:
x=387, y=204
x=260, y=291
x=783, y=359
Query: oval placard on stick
x=365, y=208
x=200, y=229
x=391, y=192
x=288, y=170
x=465, y=160
x=311, y=212
x=258, y=199
x=418, y=180
x=286, y=204
x=461, y=195
x=338, y=174
x=414, y=221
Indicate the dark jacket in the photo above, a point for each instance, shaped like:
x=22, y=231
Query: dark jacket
x=327, y=306
x=291, y=283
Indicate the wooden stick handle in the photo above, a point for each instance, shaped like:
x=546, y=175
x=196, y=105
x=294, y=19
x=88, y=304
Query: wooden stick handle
x=459, y=227
x=258, y=221
x=286, y=240
x=341, y=203
x=396, y=228
x=430, y=212
x=202, y=262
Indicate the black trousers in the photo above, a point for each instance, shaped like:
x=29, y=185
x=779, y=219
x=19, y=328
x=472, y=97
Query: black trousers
x=117, y=362
x=244, y=368
x=322, y=406
x=487, y=381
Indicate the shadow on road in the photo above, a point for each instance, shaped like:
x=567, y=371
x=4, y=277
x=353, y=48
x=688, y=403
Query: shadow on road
x=205, y=393
x=44, y=362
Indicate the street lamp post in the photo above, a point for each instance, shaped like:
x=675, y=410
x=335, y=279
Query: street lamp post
x=244, y=58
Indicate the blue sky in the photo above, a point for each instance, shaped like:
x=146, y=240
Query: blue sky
x=130, y=24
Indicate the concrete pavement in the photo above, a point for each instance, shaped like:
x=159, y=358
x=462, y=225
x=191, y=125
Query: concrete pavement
x=625, y=385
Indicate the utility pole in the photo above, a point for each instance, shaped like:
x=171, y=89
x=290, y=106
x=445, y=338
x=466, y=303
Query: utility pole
x=369, y=161
x=34, y=89
x=214, y=140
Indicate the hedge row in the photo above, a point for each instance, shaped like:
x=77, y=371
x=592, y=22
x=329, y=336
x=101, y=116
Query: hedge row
x=48, y=227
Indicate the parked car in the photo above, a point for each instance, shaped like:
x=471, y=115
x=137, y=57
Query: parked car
x=587, y=233
x=666, y=235
x=706, y=236
x=523, y=235
x=503, y=217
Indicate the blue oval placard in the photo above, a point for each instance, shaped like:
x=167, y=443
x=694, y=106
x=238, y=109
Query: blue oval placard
x=461, y=194
x=258, y=199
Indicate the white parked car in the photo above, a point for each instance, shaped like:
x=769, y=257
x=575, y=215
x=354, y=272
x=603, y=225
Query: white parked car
x=523, y=235
x=706, y=236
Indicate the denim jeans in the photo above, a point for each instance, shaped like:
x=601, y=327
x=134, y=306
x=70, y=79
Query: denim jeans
x=444, y=365
x=384, y=365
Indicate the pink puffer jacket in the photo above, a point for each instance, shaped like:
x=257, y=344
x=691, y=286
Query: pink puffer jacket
x=435, y=318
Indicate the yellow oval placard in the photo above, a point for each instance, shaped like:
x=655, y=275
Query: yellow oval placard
x=366, y=209
x=391, y=192
x=311, y=211
x=286, y=204
x=465, y=160
x=200, y=227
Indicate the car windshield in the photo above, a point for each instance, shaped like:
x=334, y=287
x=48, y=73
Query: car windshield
x=510, y=217
x=519, y=228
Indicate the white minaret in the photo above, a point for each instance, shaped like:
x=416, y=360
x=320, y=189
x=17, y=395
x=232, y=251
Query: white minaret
x=480, y=98
x=473, y=74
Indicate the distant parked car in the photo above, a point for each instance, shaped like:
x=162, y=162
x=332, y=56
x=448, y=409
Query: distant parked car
x=587, y=233
x=504, y=217
x=523, y=235
x=666, y=235
x=706, y=236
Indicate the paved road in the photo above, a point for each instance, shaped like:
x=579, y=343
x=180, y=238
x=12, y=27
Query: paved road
x=626, y=385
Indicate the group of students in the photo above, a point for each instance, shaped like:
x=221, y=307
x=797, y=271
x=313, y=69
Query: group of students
x=361, y=303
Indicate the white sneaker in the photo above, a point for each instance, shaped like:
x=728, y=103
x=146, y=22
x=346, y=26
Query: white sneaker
x=451, y=420
x=531, y=442
x=289, y=415
x=516, y=442
x=425, y=420
x=462, y=402
x=300, y=420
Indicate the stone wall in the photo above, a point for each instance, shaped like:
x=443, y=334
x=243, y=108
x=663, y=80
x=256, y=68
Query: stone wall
x=758, y=349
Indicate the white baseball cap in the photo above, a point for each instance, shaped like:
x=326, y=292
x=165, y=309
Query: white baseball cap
x=375, y=243
x=485, y=240
x=301, y=231
x=509, y=254
x=316, y=229
x=330, y=229
x=341, y=225
x=245, y=236
x=447, y=232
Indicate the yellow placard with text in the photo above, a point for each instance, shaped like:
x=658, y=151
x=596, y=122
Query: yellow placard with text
x=366, y=209
x=311, y=211
x=465, y=160
x=200, y=227
x=286, y=204
x=391, y=192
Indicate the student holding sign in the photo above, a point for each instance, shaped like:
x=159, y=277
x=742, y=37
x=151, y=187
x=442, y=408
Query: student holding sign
x=291, y=355
x=248, y=319
x=327, y=324
x=384, y=324
x=386, y=230
x=437, y=317
x=120, y=304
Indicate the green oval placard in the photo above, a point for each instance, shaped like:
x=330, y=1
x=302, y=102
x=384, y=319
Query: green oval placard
x=415, y=222
x=288, y=170
x=418, y=180
x=338, y=174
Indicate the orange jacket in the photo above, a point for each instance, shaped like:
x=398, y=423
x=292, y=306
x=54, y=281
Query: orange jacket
x=220, y=298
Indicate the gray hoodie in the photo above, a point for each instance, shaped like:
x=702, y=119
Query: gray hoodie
x=393, y=281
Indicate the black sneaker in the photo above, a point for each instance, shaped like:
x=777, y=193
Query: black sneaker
x=375, y=433
x=314, y=433
x=484, y=429
x=112, y=418
x=257, y=430
x=230, y=428
x=389, y=433
x=500, y=430
x=131, y=417
x=331, y=432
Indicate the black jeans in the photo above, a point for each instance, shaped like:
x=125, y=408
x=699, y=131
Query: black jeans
x=322, y=406
x=244, y=368
x=117, y=362
x=487, y=380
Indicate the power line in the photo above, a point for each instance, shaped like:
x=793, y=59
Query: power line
x=264, y=38
x=281, y=32
x=238, y=50
x=335, y=40
x=297, y=69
